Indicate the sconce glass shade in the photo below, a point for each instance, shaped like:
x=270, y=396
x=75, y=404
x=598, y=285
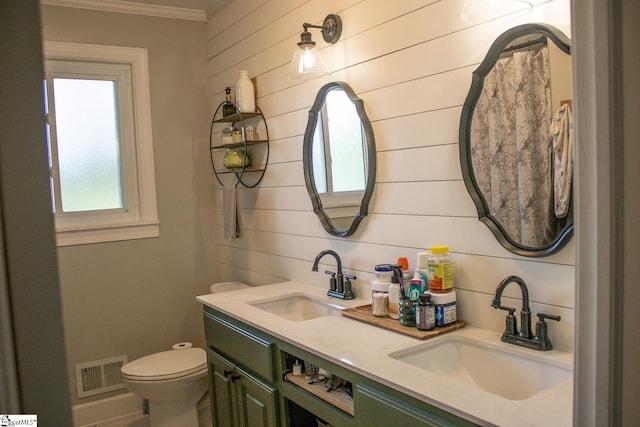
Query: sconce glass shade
x=307, y=63
x=478, y=11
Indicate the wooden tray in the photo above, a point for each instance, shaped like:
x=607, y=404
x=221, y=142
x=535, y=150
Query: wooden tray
x=363, y=313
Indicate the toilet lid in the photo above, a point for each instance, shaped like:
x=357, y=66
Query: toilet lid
x=166, y=365
x=227, y=286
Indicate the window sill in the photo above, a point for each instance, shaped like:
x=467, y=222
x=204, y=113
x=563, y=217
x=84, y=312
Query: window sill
x=101, y=234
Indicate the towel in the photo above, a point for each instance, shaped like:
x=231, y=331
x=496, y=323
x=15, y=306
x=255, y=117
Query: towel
x=230, y=213
x=562, y=139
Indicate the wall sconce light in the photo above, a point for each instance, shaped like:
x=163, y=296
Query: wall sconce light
x=479, y=11
x=307, y=62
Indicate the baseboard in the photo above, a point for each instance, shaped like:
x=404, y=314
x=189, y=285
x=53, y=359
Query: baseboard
x=92, y=413
x=125, y=405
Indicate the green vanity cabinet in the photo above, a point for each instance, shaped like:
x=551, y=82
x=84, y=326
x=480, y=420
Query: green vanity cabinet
x=238, y=398
x=247, y=389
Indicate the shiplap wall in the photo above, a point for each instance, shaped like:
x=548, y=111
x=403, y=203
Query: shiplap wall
x=411, y=62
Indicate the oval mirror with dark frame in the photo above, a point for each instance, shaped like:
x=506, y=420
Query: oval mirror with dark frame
x=516, y=140
x=339, y=159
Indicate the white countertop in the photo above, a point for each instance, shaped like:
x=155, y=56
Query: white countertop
x=365, y=349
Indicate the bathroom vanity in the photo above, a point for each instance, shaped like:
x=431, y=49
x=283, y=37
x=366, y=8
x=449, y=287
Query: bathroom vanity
x=255, y=335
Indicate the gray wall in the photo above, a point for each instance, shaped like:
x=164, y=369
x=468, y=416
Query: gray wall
x=630, y=196
x=35, y=381
x=606, y=61
x=138, y=297
x=630, y=351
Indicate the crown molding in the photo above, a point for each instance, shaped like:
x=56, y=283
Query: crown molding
x=134, y=8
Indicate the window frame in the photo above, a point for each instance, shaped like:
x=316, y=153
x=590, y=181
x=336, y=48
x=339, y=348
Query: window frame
x=139, y=219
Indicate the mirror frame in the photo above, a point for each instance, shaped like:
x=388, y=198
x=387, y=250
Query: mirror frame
x=307, y=162
x=477, y=83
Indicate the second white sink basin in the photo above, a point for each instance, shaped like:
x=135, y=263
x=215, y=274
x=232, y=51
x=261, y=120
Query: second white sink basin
x=298, y=307
x=512, y=373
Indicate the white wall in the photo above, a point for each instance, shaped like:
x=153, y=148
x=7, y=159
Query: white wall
x=138, y=297
x=411, y=63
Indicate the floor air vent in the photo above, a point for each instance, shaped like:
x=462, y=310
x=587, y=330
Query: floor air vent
x=99, y=376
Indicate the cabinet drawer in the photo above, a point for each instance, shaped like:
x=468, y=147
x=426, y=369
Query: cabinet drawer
x=377, y=408
x=247, y=349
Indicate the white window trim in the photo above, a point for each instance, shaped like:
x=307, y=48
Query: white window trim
x=147, y=225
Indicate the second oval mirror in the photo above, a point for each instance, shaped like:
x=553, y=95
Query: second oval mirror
x=516, y=140
x=339, y=159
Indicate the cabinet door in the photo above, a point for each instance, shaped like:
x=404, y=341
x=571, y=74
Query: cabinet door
x=222, y=391
x=375, y=408
x=257, y=401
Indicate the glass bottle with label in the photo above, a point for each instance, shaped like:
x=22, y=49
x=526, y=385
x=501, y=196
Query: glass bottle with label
x=227, y=135
x=440, y=269
x=380, y=298
x=425, y=313
x=227, y=108
x=406, y=308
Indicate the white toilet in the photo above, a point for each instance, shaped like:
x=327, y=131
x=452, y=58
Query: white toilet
x=173, y=381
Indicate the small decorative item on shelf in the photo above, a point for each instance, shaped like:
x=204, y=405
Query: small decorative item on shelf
x=228, y=108
x=251, y=133
x=235, y=159
x=227, y=135
x=237, y=135
x=310, y=369
x=245, y=93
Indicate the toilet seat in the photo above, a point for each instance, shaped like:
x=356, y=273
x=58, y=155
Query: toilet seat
x=166, y=365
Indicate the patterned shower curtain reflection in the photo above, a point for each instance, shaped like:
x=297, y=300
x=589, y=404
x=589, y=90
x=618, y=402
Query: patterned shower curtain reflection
x=511, y=145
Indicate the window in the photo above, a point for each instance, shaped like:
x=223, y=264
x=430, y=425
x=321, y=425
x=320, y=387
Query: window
x=338, y=155
x=99, y=140
x=339, y=164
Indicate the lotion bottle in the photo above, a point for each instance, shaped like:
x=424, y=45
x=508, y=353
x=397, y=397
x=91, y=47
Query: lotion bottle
x=394, y=298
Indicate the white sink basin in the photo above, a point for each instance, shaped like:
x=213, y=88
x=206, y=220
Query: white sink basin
x=512, y=373
x=297, y=307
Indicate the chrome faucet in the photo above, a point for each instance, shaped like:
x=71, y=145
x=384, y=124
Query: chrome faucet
x=539, y=341
x=339, y=283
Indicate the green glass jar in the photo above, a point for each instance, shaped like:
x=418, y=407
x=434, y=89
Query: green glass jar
x=407, y=316
x=236, y=159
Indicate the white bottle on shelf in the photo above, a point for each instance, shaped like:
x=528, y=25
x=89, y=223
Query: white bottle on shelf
x=245, y=93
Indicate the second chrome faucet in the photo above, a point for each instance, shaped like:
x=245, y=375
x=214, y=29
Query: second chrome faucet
x=524, y=338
